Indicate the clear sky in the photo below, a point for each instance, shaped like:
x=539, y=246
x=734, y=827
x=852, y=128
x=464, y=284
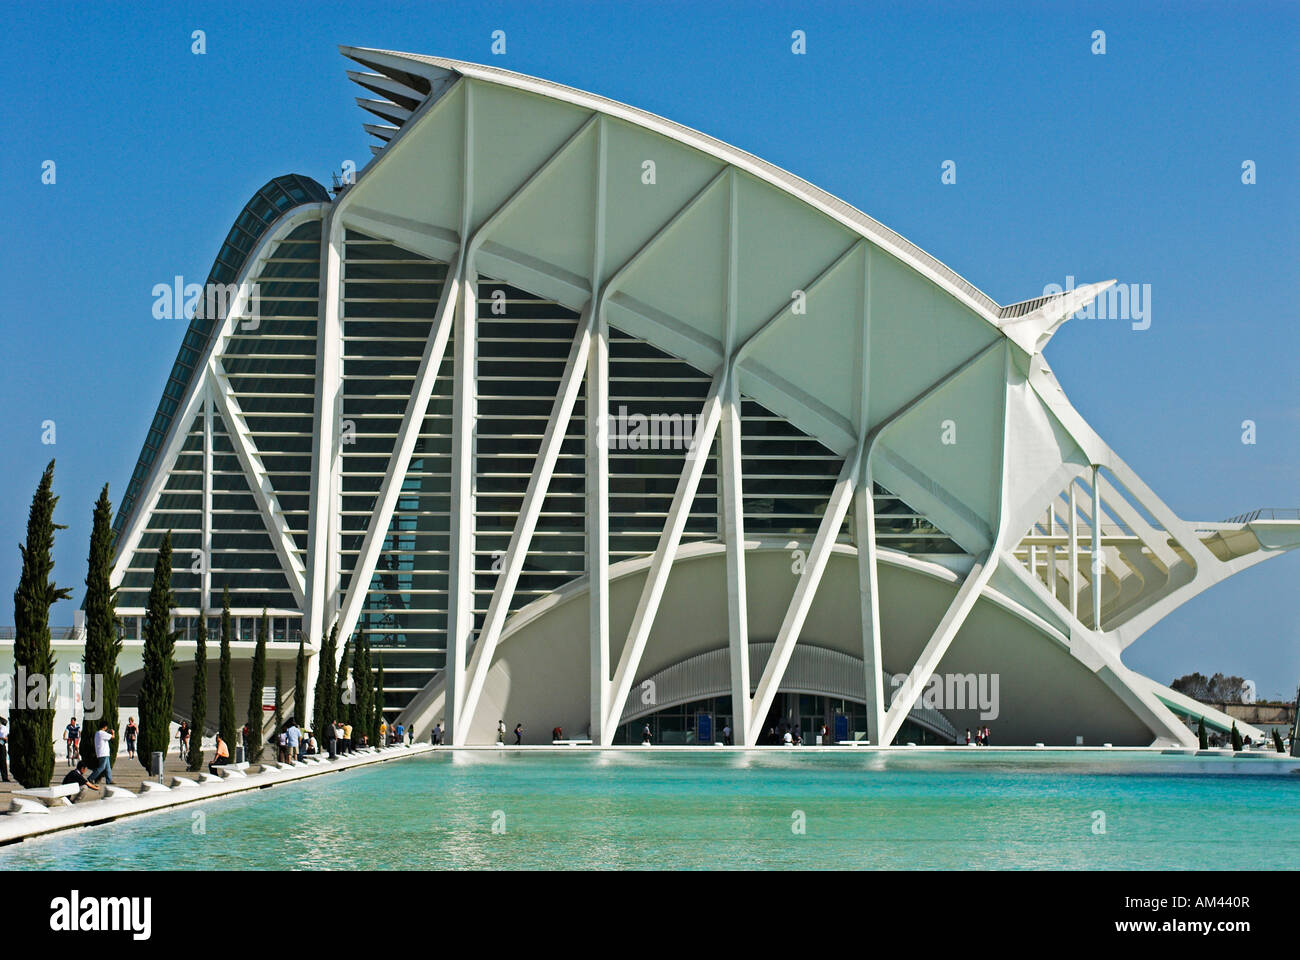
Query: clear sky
x=1127, y=165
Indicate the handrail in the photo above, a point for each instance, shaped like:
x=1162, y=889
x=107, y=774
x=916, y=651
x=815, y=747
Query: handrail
x=1267, y=513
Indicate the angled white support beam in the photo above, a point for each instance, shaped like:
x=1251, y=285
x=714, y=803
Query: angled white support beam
x=731, y=488
x=743, y=350
x=259, y=483
x=206, y=580
x=864, y=520
x=460, y=561
x=528, y=186
x=1156, y=541
x=804, y=592
x=417, y=406
x=596, y=414
x=697, y=458
x=326, y=456
x=147, y=503
x=1098, y=559
x=1074, y=552
x=962, y=604
x=557, y=427
x=972, y=586
x=460, y=573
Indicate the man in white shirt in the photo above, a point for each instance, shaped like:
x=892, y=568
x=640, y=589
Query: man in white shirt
x=294, y=736
x=103, y=769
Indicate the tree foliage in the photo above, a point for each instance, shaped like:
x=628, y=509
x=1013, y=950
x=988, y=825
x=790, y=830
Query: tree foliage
x=256, y=740
x=157, y=690
x=103, y=639
x=199, y=698
x=226, y=710
x=31, y=726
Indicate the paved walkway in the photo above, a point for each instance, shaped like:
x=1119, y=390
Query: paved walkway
x=127, y=772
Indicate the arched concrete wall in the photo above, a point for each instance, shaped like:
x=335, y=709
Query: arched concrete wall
x=538, y=674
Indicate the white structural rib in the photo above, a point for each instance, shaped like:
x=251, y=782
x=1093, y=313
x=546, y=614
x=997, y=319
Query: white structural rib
x=460, y=571
x=665, y=553
x=526, y=523
x=597, y=465
x=975, y=581
x=804, y=591
x=417, y=406
x=556, y=428
x=259, y=483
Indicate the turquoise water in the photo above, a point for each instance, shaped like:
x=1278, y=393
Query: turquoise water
x=705, y=810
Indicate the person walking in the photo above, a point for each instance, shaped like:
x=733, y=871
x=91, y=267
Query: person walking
x=436, y=736
x=131, y=731
x=501, y=732
x=519, y=734
x=4, y=750
x=183, y=736
x=726, y=735
x=103, y=765
x=645, y=735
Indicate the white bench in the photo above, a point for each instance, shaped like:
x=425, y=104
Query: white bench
x=184, y=782
x=571, y=743
x=152, y=786
x=51, y=796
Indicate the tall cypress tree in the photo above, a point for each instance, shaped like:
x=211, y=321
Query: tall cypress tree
x=279, y=697
x=300, y=685
x=1201, y=736
x=379, y=701
x=363, y=713
x=103, y=639
x=343, y=702
x=156, y=689
x=31, y=728
x=255, y=691
x=199, y=700
x=325, y=709
x=226, y=714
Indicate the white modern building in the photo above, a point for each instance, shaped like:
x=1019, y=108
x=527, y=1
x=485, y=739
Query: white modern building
x=590, y=420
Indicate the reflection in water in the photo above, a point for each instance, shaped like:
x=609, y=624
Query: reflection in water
x=723, y=809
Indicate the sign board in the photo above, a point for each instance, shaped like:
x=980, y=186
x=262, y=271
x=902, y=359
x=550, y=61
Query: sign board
x=841, y=727
x=704, y=727
x=268, y=699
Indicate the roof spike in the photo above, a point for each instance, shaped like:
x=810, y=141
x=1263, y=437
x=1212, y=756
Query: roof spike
x=1032, y=331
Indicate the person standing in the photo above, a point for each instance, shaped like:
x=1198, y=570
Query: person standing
x=347, y=736
x=294, y=736
x=131, y=731
x=331, y=740
x=645, y=735
x=103, y=766
x=726, y=735
x=501, y=732
x=4, y=750
x=519, y=734
x=436, y=736
x=183, y=735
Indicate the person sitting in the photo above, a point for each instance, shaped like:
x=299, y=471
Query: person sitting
x=222, y=758
x=77, y=775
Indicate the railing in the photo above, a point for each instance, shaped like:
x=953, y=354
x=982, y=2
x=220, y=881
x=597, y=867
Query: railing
x=1267, y=513
x=56, y=633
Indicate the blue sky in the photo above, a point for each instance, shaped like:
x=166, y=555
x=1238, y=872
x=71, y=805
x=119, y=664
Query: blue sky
x=1124, y=165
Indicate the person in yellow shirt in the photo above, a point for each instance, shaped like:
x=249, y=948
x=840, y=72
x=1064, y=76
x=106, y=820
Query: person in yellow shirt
x=347, y=735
